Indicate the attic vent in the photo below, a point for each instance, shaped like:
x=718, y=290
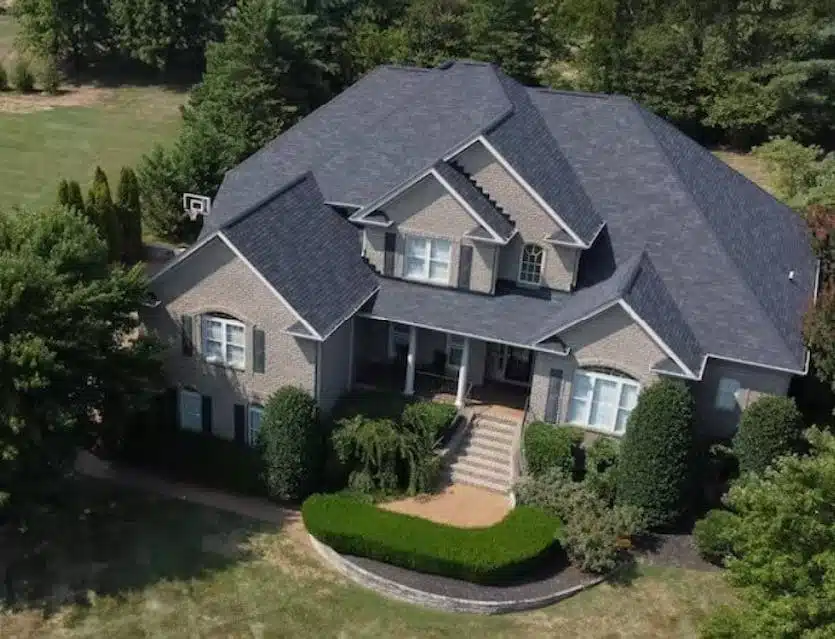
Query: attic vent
x=791, y=275
x=446, y=64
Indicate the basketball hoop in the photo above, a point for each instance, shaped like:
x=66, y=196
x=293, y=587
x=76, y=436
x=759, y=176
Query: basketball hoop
x=195, y=205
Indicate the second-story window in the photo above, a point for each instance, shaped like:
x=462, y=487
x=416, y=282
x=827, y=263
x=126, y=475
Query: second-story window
x=530, y=266
x=427, y=259
x=224, y=341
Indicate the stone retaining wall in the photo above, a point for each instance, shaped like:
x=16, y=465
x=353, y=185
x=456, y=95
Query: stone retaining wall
x=393, y=590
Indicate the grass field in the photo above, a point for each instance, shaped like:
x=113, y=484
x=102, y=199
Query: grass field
x=46, y=138
x=152, y=567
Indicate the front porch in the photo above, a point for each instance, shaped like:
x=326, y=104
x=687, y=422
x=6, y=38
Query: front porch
x=489, y=378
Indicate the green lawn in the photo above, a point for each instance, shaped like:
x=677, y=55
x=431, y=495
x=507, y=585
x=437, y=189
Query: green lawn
x=152, y=567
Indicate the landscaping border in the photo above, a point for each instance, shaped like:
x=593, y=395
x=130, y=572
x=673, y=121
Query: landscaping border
x=401, y=592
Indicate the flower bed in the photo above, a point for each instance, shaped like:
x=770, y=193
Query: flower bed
x=494, y=555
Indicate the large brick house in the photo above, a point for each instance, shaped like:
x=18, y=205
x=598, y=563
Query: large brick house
x=562, y=249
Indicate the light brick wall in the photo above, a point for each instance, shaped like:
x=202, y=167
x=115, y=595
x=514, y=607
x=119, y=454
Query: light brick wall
x=374, y=242
x=214, y=280
x=533, y=223
x=485, y=267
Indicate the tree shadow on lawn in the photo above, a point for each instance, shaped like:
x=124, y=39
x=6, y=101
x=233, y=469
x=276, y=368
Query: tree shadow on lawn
x=104, y=540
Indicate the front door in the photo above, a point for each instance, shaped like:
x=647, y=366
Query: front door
x=509, y=364
x=518, y=366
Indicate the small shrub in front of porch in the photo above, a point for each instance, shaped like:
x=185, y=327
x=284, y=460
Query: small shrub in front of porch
x=769, y=428
x=494, y=555
x=548, y=446
x=597, y=535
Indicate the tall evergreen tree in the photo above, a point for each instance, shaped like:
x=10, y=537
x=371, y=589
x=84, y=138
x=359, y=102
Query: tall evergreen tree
x=75, y=199
x=130, y=215
x=506, y=33
x=102, y=213
x=63, y=193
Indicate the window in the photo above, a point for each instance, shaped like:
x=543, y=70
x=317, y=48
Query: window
x=427, y=259
x=398, y=339
x=224, y=341
x=254, y=423
x=530, y=266
x=602, y=401
x=191, y=410
x=454, y=351
x=726, y=394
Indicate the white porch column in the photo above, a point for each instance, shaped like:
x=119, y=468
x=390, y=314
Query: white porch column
x=462, y=373
x=410, y=362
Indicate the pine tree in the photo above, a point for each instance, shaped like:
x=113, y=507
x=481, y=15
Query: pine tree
x=102, y=212
x=63, y=193
x=130, y=215
x=74, y=197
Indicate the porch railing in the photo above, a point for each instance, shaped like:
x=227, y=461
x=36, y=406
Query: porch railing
x=518, y=464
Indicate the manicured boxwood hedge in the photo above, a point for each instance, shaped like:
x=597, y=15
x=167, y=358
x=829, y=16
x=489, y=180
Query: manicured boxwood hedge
x=548, y=446
x=494, y=555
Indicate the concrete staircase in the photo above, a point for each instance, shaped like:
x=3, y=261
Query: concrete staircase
x=484, y=457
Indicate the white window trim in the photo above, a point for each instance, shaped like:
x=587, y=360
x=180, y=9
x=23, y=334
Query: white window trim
x=519, y=279
x=224, y=322
x=721, y=392
x=250, y=439
x=392, y=341
x=429, y=240
x=182, y=393
x=620, y=381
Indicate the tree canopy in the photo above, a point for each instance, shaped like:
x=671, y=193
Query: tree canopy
x=70, y=361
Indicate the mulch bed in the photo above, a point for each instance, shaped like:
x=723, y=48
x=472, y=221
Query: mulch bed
x=553, y=578
x=677, y=550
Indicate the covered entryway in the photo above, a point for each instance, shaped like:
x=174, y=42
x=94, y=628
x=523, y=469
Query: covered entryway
x=509, y=364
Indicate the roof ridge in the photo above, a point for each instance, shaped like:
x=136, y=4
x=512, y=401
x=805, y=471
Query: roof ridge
x=643, y=114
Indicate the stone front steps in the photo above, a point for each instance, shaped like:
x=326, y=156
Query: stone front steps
x=484, y=458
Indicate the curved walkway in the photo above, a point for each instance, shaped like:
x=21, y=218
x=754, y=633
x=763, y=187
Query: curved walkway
x=453, y=595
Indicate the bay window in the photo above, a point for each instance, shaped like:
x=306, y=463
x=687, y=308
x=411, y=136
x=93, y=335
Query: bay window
x=602, y=401
x=224, y=341
x=427, y=259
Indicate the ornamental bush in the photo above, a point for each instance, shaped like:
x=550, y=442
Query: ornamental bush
x=519, y=543
x=656, y=456
x=432, y=418
x=769, y=428
x=597, y=536
x=713, y=535
x=548, y=446
x=22, y=77
x=4, y=78
x=291, y=443
x=601, y=465
x=50, y=76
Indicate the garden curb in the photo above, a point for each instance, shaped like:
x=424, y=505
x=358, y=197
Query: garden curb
x=400, y=592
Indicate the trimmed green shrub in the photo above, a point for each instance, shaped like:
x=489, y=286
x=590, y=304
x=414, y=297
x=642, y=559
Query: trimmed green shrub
x=769, y=428
x=432, y=418
x=4, y=78
x=291, y=443
x=597, y=536
x=655, y=471
x=713, y=535
x=50, y=76
x=601, y=467
x=22, y=77
x=494, y=555
x=548, y=446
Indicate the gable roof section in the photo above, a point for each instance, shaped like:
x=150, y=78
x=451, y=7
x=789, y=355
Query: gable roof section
x=697, y=219
x=524, y=140
x=307, y=252
x=475, y=199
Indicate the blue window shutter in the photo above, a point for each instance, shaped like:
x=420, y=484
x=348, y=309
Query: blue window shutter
x=240, y=423
x=206, y=414
x=390, y=247
x=187, y=334
x=552, y=403
x=259, y=355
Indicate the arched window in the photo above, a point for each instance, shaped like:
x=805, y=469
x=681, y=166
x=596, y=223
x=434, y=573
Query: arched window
x=602, y=401
x=530, y=266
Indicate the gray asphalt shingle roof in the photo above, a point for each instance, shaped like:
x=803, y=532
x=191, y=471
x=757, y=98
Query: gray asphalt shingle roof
x=707, y=252
x=308, y=252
